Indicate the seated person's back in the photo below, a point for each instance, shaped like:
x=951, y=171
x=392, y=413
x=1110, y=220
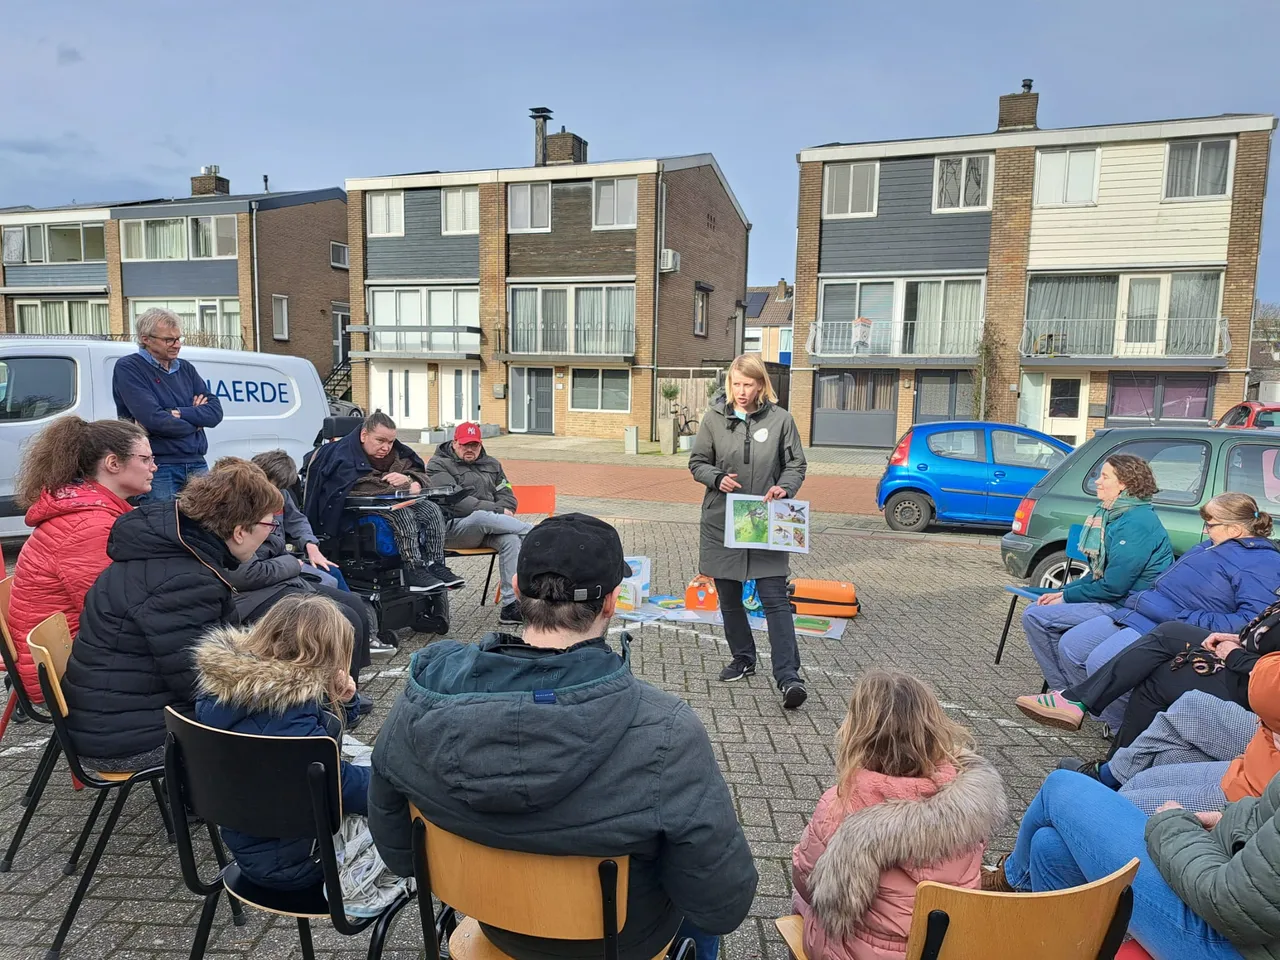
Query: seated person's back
x=550, y=745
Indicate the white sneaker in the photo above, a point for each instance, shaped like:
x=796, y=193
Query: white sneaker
x=381, y=651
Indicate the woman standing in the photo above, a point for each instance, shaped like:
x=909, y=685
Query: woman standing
x=747, y=444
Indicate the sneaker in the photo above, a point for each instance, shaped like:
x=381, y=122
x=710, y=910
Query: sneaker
x=993, y=879
x=738, y=668
x=422, y=580
x=381, y=651
x=446, y=576
x=511, y=613
x=1052, y=710
x=793, y=694
x=1081, y=766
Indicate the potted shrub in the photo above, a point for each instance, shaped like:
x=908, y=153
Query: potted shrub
x=436, y=435
x=670, y=393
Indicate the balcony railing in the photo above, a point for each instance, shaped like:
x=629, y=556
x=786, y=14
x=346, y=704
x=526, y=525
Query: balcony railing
x=885, y=338
x=190, y=338
x=1191, y=338
x=590, y=340
x=424, y=340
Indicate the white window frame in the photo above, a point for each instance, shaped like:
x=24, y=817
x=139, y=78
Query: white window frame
x=279, y=310
x=571, y=309
x=66, y=307
x=875, y=190
x=368, y=211
x=345, y=262
x=1038, y=201
x=595, y=187
x=599, y=408
x=898, y=316
x=444, y=206
x=787, y=334
x=26, y=240
x=137, y=307
x=758, y=338
x=22, y=258
x=1196, y=197
x=528, y=188
x=186, y=242
x=701, y=308
x=965, y=157
x=212, y=218
x=381, y=325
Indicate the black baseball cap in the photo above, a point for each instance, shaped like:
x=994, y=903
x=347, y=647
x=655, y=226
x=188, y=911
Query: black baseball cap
x=584, y=550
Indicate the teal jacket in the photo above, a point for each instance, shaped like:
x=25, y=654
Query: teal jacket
x=1229, y=875
x=1138, y=551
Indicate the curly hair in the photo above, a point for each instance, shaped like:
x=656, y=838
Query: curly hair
x=70, y=449
x=235, y=493
x=1135, y=475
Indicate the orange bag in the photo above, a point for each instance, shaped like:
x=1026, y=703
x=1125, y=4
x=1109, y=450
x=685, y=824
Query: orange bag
x=701, y=594
x=823, y=598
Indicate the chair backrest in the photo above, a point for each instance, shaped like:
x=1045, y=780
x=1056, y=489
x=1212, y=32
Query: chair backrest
x=535, y=499
x=558, y=897
x=1074, y=535
x=1082, y=923
x=9, y=651
x=253, y=784
x=50, y=645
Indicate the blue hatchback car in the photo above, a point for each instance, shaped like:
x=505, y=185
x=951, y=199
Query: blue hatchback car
x=963, y=472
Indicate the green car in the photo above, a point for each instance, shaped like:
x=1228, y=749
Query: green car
x=1191, y=466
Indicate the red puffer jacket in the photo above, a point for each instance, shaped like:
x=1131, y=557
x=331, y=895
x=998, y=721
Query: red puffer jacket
x=59, y=562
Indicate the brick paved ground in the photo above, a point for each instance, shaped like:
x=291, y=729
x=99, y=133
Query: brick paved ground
x=933, y=605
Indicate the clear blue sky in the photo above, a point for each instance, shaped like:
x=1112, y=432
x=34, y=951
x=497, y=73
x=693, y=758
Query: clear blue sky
x=108, y=101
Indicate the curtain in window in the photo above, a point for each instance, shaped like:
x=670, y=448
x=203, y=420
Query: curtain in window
x=875, y=303
x=1182, y=170
x=101, y=319
x=605, y=203
x=470, y=209
x=975, y=182
x=201, y=237
x=838, y=188
x=1193, y=314
x=949, y=182
x=79, y=317
x=224, y=229
x=835, y=327
x=621, y=304
x=524, y=320
x=588, y=320
x=165, y=239
x=133, y=248
x=1133, y=396
x=54, y=316
x=1058, y=309
x=29, y=318
x=519, y=195
x=1185, y=399
x=540, y=206
x=1215, y=158
x=229, y=323
x=961, y=317
x=1143, y=309
x=555, y=321
x=922, y=326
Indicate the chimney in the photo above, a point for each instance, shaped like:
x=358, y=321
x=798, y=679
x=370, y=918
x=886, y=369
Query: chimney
x=1018, y=110
x=540, y=117
x=210, y=183
x=782, y=289
x=565, y=147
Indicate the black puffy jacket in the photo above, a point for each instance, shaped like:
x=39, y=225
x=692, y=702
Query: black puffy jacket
x=163, y=591
x=485, y=482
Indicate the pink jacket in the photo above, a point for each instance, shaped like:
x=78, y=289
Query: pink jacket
x=857, y=864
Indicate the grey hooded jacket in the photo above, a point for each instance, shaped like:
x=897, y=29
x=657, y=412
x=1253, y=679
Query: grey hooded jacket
x=599, y=763
x=764, y=451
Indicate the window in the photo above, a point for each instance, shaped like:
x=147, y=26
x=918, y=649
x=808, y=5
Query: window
x=1064, y=398
x=1158, y=397
x=589, y=320
x=33, y=388
x=339, y=255
x=95, y=241
x=154, y=239
x=851, y=189
x=63, y=317
x=941, y=318
x=958, y=445
x=14, y=244
x=1066, y=176
x=1237, y=417
x=856, y=318
x=386, y=214
x=857, y=391
x=605, y=390
x=752, y=337
x=432, y=319
x=280, y=317
x=1198, y=168
x=213, y=237
x=1019, y=450
x=1252, y=469
x=1180, y=467
x=615, y=204
x=64, y=243
x=35, y=244
x=528, y=207
x=205, y=323
x=962, y=183
x=461, y=211
x=784, y=340
x=701, y=307
x=1266, y=420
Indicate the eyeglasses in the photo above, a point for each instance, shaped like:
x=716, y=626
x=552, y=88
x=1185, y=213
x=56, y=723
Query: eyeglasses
x=1210, y=524
x=149, y=459
x=273, y=524
x=168, y=341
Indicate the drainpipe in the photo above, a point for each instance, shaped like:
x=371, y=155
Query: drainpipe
x=657, y=285
x=257, y=326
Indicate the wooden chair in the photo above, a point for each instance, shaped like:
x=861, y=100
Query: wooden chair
x=529, y=499
x=50, y=644
x=264, y=787
x=954, y=923
x=1074, y=555
x=531, y=894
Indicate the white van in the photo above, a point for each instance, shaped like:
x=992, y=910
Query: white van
x=268, y=401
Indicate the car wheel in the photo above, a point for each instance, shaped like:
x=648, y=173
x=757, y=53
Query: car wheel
x=1051, y=572
x=909, y=511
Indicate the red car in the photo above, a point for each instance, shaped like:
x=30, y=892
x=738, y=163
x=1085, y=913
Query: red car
x=1251, y=415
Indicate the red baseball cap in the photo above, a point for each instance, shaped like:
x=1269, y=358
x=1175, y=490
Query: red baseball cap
x=467, y=433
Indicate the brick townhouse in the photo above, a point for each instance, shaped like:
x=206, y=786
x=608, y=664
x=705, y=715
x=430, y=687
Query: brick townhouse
x=265, y=271
x=544, y=299
x=1064, y=279
x=768, y=322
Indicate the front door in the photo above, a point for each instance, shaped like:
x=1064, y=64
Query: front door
x=1142, y=330
x=341, y=338
x=1067, y=408
x=401, y=391
x=532, y=392
x=943, y=395
x=459, y=395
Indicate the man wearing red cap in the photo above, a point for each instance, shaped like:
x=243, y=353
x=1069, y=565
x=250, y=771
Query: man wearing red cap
x=486, y=515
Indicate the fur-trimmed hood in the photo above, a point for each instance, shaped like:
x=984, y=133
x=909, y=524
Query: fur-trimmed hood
x=236, y=678
x=961, y=814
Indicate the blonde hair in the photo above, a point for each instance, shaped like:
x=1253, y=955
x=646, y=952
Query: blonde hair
x=752, y=367
x=309, y=631
x=1238, y=508
x=896, y=726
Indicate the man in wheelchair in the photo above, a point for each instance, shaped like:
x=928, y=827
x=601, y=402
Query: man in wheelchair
x=364, y=497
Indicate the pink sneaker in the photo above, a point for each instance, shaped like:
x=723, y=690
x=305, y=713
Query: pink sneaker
x=1052, y=710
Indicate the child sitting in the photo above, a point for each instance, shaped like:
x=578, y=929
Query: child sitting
x=912, y=802
x=280, y=678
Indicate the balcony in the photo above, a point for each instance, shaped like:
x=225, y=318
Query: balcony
x=614, y=341
x=419, y=342
x=884, y=341
x=1148, y=341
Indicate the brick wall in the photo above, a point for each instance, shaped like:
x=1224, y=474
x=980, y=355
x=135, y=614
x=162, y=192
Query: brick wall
x=1007, y=277
x=493, y=299
x=1017, y=111
x=805, y=313
x=115, y=281
x=355, y=295
x=8, y=322
x=704, y=228
x=646, y=289
x=244, y=276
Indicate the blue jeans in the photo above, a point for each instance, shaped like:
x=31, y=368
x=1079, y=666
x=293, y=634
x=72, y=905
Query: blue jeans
x=1076, y=831
x=706, y=945
x=1045, y=625
x=170, y=478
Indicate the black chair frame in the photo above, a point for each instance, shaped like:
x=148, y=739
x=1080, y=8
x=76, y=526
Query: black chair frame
x=301, y=799
x=44, y=769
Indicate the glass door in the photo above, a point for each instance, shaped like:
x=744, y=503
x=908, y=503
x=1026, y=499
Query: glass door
x=1067, y=408
x=1145, y=301
x=518, y=404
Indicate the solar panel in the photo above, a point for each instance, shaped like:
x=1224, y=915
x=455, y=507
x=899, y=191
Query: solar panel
x=756, y=302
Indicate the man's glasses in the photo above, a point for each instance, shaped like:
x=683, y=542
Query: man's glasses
x=168, y=341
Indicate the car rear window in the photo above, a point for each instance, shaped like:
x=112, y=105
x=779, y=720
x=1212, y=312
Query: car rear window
x=1181, y=467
